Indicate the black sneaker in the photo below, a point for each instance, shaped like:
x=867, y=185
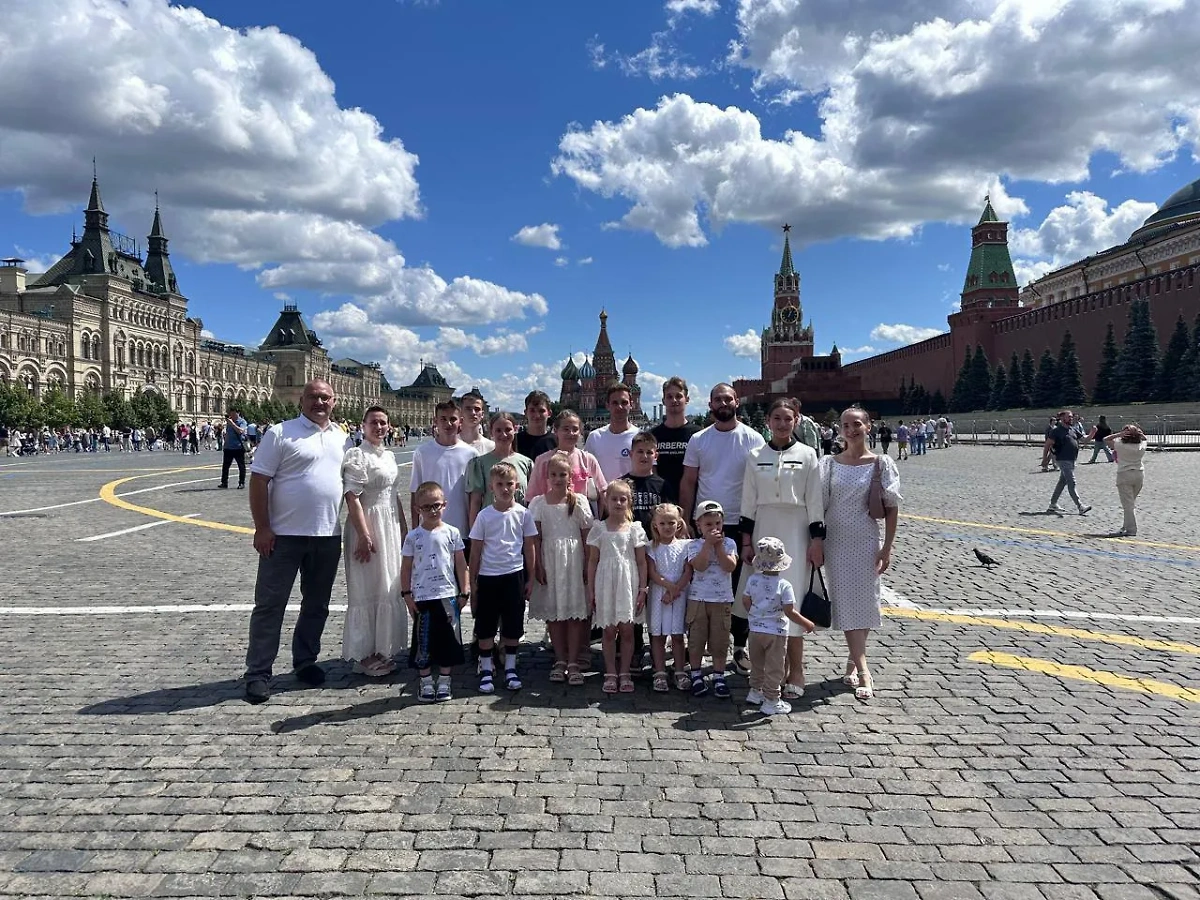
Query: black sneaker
x=312, y=675
x=741, y=662
x=257, y=691
x=222, y=485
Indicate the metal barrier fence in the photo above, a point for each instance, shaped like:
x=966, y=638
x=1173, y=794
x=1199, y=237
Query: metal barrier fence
x=1162, y=432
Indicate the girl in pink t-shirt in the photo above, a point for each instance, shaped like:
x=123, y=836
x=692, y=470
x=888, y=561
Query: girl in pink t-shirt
x=586, y=478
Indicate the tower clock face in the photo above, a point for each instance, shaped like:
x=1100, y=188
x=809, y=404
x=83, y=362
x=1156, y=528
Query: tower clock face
x=790, y=315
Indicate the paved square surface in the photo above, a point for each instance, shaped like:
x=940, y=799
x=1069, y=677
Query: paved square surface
x=1036, y=732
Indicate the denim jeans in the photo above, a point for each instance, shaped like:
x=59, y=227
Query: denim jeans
x=1066, y=479
x=316, y=560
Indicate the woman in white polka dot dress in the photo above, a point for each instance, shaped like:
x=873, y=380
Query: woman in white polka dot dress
x=855, y=557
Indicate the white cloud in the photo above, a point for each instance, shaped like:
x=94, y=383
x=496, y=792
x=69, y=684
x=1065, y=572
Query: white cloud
x=1082, y=226
x=258, y=163
x=586, y=261
x=501, y=342
x=748, y=345
x=544, y=235
x=677, y=8
x=561, y=261
x=596, y=52
x=281, y=295
x=34, y=262
x=661, y=60
x=865, y=350
x=943, y=267
x=205, y=333
x=901, y=91
x=903, y=334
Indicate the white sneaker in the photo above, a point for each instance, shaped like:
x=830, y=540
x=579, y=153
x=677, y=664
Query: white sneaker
x=775, y=708
x=755, y=698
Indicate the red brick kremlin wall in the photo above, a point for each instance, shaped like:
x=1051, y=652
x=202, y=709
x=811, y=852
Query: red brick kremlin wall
x=935, y=363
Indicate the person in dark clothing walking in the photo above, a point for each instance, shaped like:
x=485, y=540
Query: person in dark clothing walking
x=234, y=448
x=1063, y=445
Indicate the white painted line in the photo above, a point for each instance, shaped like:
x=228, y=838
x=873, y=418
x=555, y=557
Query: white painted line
x=1065, y=614
x=100, y=537
x=891, y=598
x=124, y=610
x=160, y=487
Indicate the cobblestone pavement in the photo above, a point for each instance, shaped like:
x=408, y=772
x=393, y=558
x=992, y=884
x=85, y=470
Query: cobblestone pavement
x=1012, y=751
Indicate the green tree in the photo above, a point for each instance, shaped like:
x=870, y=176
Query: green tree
x=1138, y=366
x=58, y=409
x=980, y=380
x=1016, y=395
x=1189, y=369
x=117, y=411
x=960, y=397
x=903, y=399
x=999, y=388
x=1105, y=390
x=1070, y=378
x=1172, y=381
x=1045, y=383
x=151, y=408
x=18, y=407
x=91, y=411
x=937, y=405
x=920, y=400
x=1028, y=376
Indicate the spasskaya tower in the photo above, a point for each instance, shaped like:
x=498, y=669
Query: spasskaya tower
x=787, y=338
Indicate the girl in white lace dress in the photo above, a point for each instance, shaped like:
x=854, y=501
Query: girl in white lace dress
x=559, y=597
x=855, y=556
x=617, y=582
x=376, y=619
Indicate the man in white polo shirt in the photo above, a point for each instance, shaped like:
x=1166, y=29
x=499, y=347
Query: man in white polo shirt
x=295, y=499
x=612, y=445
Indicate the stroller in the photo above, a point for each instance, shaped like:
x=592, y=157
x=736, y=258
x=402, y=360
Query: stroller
x=29, y=446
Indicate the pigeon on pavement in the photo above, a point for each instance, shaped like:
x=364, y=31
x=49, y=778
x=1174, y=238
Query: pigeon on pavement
x=985, y=560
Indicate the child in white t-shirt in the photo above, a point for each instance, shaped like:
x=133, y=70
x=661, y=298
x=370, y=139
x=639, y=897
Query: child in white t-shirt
x=502, y=555
x=770, y=602
x=712, y=557
x=433, y=583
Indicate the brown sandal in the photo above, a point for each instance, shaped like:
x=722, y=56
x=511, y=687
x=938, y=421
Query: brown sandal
x=558, y=672
x=574, y=676
x=627, y=684
x=609, y=685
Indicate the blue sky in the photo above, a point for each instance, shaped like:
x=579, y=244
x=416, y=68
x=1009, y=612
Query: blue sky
x=376, y=163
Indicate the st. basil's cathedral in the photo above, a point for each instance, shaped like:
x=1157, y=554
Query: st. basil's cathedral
x=585, y=387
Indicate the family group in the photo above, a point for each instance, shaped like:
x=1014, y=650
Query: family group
x=627, y=532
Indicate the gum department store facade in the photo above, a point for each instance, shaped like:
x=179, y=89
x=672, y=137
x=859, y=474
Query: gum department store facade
x=103, y=320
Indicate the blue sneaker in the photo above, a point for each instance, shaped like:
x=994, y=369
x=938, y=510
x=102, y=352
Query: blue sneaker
x=699, y=686
x=720, y=688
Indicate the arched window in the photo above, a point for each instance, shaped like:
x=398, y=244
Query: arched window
x=95, y=346
x=141, y=355
x=191, y=363
x=85, y=346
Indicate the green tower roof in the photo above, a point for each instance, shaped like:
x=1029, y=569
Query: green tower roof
x=786, y=267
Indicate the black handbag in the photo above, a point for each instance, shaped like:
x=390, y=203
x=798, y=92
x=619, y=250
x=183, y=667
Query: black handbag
x=815, y=607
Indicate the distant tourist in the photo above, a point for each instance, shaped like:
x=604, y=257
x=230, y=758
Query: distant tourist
x=1063, y=444
x=234, y=448
x=295, y=498
x=1130, y=447
x=1099, y=433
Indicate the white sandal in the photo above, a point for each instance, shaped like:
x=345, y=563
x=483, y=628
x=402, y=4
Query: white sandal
x=865, y=691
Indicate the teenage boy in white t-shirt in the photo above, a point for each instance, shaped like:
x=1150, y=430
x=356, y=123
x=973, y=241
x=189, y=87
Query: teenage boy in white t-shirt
x=444, y=461
x=502, y=553
x=612, y=445
x=470, y=429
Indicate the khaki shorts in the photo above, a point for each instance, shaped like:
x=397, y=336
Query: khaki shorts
x=708, y=625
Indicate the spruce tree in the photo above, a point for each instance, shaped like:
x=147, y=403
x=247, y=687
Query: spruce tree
x=1172, y=383
x=980, y=380
x=999, y=388
x=961, y=396
x=937, y=405
x=1045, y=383
x=1138, y=367
x=1015, y=395
x=1070, y=379
x=1105, y=390
x=1189, y=370
x=1028, y=376
x=905, y=403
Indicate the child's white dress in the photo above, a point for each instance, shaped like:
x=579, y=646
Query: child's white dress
x=563, y=596
x=667, y=618
x=616, y=573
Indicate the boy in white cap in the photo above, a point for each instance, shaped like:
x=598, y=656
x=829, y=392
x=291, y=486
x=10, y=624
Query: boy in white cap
x=770, y=602
x=712, y=557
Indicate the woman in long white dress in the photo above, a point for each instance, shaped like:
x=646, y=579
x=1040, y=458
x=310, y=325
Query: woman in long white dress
x=855, y=555
x=376, y=618
x=781, y=494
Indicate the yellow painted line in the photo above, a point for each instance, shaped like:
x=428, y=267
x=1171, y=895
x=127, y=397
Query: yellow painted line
x=108, y=493
x=1047, y=533
x=1081, y=634
x=1083, y=673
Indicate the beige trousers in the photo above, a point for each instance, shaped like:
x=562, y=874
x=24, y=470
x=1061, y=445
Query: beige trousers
x=768, y=657
x=1129, y=485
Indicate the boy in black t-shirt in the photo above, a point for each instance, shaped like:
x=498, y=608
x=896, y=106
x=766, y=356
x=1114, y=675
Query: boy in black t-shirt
x=535, y=438
x=649, y=490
